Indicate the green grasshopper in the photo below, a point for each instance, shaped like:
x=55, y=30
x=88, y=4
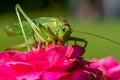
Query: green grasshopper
x=43, y=30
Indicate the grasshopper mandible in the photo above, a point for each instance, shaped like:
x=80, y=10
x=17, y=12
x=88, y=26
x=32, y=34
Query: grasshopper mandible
x=43, y=30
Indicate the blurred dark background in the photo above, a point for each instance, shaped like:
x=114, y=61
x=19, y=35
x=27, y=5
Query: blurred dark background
x=8, y=5
x=81, y=8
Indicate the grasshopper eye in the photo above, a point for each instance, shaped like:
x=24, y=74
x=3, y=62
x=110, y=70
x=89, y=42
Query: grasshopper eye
x=63, y=30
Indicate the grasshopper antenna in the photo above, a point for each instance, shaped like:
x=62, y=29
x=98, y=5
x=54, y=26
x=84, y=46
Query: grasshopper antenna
x=98, y=36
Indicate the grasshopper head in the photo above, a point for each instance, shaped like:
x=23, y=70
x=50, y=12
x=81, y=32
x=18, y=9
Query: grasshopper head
x=64, y=33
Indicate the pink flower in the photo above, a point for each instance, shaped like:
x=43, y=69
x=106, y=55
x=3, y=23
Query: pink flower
x=53, y=63
x=109, y=66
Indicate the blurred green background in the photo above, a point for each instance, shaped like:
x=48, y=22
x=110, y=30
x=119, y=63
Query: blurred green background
x=89, y=16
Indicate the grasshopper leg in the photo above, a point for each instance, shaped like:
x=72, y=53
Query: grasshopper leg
x=79, y=39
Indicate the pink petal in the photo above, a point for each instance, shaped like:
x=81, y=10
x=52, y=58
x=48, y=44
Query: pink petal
x=61, y=67
x=55, y=76
x=79, y=75
x=57, y=54
x=58, y=59
x=78, y=51
x=104, y=64
x=109, y=66
x=40, y=64
x=36, y=55
x=114, y=73
x=11, y=56
x=7, y=73
x=30, y=76
x=44, y=76
x=53, y=63
x=21, y=67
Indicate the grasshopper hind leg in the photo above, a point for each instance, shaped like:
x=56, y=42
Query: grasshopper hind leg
x=79, y=39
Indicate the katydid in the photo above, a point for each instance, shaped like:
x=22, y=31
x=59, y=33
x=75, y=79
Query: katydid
x=44, y=30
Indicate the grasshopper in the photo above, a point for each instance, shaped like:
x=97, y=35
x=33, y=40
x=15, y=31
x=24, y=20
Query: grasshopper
x=46, y=30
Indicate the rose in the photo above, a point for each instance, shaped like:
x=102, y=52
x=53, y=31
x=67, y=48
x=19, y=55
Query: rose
x=109, y=66
x=53, y=63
